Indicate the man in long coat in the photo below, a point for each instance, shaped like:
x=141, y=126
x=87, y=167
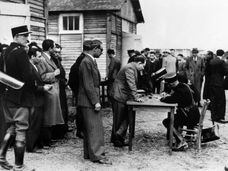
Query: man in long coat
x=216, y=70
x=89, y=102
x=18, y=103
x=52, y=107
x=60, y=130
x=33, y=135
x=195, y=69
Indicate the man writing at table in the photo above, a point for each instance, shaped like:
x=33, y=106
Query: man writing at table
x=124, y=88
x=187, y=113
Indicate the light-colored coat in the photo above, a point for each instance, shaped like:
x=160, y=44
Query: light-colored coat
x=169, y=63
x=124, y=87
x=52, y=108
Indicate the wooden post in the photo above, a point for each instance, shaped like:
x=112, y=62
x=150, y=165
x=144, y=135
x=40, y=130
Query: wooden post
x=46, y=17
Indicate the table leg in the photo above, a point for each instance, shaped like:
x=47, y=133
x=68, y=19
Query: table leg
x=133, y=115
x=171, y=130
x=131, y=124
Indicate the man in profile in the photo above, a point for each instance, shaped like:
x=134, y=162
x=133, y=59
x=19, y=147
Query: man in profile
x=89, y=102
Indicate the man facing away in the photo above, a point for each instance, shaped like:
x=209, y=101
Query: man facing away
x=113, y=68
x=216, y=70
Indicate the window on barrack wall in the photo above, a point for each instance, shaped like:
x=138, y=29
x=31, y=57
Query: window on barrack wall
x=71, y=23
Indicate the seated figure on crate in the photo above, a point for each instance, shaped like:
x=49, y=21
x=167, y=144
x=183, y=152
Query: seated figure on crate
x=187, y=113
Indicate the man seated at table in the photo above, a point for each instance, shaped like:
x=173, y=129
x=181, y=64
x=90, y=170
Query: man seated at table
x=124, y=88
x=187, y=113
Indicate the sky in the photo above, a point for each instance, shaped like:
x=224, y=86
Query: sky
x=184, y=24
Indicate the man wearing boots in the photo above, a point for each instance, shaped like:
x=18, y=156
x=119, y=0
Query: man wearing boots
x=17, y=103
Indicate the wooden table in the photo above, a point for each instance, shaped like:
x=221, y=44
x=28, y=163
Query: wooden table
x=147, y=105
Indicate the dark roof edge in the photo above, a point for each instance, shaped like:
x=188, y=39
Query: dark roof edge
x=81, y=10
x=138, y=11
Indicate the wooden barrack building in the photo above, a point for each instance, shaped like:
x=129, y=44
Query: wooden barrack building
x=70, y=22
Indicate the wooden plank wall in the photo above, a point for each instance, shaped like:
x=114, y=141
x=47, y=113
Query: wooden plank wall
x=95, y=27
x=116, y=34
x=53, y=27
x=71, y=49
x=127, y=11
x=113, y=42
x=113, y=18
x=38, y=20
x=101, y=62
x=95, y=22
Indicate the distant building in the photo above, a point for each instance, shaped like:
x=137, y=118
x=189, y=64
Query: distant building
x=17, y=12
x=114, y=22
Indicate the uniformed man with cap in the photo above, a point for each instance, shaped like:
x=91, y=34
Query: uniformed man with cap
x=17, y=103
x=187, y=113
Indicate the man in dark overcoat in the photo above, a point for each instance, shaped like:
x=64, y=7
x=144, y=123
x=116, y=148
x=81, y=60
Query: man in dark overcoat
x=49, y=73
x=215, y=72
x=33, y=136
x=18, y=103
x=89, y=102
x=60, y=130
x=2, y=89
x=195, y=69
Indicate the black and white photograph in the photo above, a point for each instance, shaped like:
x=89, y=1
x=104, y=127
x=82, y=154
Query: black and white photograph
x=113, y=85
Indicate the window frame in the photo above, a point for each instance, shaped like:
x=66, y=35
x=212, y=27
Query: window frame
x=61, y=31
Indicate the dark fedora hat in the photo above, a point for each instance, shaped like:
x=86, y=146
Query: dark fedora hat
x=20, y=30
x=195, y=50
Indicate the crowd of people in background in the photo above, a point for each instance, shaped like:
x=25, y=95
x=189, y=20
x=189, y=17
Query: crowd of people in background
x=37, y=114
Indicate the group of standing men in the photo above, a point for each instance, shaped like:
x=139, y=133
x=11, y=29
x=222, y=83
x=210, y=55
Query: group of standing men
x=36, y=110
x=45, y=77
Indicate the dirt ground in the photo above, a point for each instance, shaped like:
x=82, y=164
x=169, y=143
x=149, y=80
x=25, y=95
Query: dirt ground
x=150, y=150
